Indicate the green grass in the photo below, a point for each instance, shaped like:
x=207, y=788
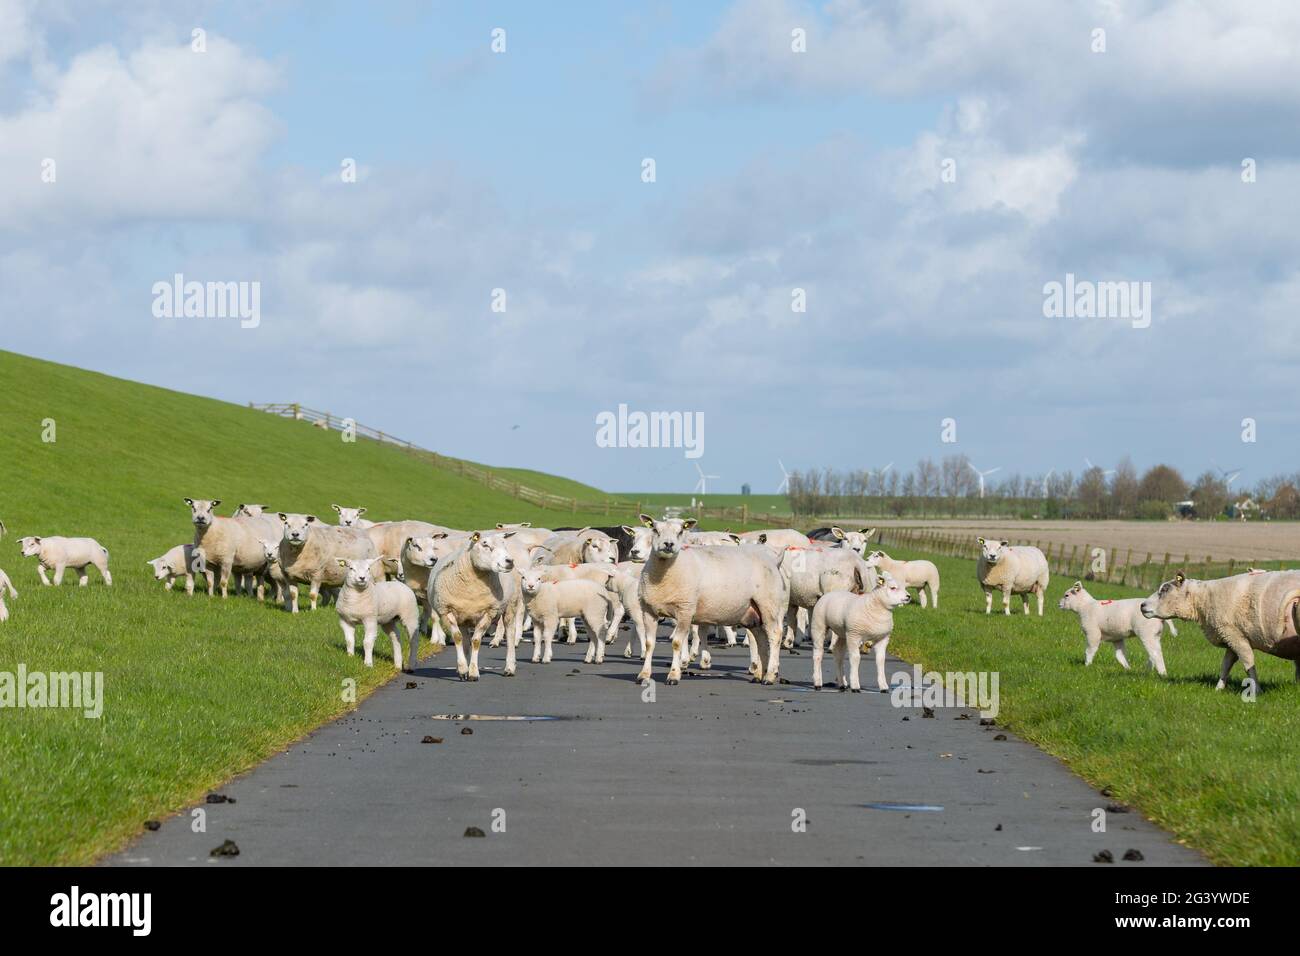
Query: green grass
x=196, y=690
x=554, y=484
x=1221, y=774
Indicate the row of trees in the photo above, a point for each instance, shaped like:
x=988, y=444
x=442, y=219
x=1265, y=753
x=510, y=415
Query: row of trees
x=952, y=487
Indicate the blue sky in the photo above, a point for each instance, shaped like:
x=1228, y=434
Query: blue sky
x=775, y=171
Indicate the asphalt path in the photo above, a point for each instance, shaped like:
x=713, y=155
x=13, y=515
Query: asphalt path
x=716, y=770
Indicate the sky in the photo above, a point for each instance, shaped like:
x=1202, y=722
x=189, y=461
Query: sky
x=500, y=272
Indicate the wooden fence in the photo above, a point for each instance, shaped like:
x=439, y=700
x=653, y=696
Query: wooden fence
x=619, y=510
x=1085, y=563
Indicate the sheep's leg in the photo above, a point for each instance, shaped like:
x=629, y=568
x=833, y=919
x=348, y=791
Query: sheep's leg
x=1024, y=602
x=58, y=574
x=841, y=684
x=920, y=595
x=706, y=659
x=1093, y=642
x=1006, y=601
x=988, y=601
x=212, y=582
x=651, y=625
x=855, y=658
x=573, y=631
x=498, y=633
x=681, y=633
x=413, y=642
x=934, y=596
x=40, y=568
x=771, y=625
x=730, y=634
x=755, y=659
x=1246, y=654
x=1041, y=591
x=818, y=636
x=514, y=635
x=1229, y=658
x=596, y=640
x=475, y=642
x=878, y=649
x=616, y=618
x=292, y=601
x=167, y=585
x=314, y=593
x=1119, y=655
x=83, y=575
x=349, y=636
x=1151, y=644
x=395, y=636
x=538, y=640
x=368, y=640
x=549, y=626
x=458, y=638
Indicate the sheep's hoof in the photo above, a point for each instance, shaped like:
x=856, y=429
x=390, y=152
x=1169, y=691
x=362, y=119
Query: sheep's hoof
x=856, y=690
x=628, y=653
x=671, y=681
x=769, y=679
x=508, y=673
x=643, y=678
x=537, y=660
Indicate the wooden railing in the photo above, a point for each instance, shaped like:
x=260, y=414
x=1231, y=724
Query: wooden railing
x=1083, y=564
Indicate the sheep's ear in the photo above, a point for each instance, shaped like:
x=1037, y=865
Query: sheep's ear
x=342, y=563
x=980, y=540
x=282, y=516
x=335, y=507
x=838, y=532
x=735, y=538
x=473, y=539
x=311, y=519
x=190, y=502
x=688, y=524
x=360, y=512
x=646, y=520
x=1005, y=543
x=500, y=525
x=762, y=538
x=627, y=530
x=1179, y=578
x=880, y=580
x=440, y=534
x=217, y=502
x=1078, y=586
x=525, y=524
x=868, y=532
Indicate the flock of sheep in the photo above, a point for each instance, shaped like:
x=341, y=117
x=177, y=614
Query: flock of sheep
x=775, y=585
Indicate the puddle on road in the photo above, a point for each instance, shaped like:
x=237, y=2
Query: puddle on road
x=905, y=807
x=526, y=717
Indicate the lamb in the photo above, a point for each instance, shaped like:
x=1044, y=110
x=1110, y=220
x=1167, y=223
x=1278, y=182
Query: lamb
x=548, y=600
x=59, y=553
x=389, y=537
x=310, y=551
x=272, y=572
x=838, y=537
x=351, y=517
x=5, y=585
x=181, y=561
x=1243, y=614
x=375, y=604
x=1114, y=622
x=912, y=574
x=230, y=544
x=804, y=567
x=741, y=586
x=1012, y=570
x=856, y=621
x=470, y=591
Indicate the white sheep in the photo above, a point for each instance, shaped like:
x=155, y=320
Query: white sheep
x=839, y=538
x=741, y=586
x=58, y=553
x=420, y=555
x=1255, y=611
x=804, y=566
x=777, y=539
x=374, y=604
x=548, y=600
x=470, y=591
x=1012, y=570
x=856, y=621
x=1115, y=621
x=910, y=574
x=231, y=545
x=351, y=517
x=310, y=551
x=5, y=585
x=182, y=561
x=584, y=546
x=390, y=537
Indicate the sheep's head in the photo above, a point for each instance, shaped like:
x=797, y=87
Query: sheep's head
x=855, y=540
x=356, y=572
x=270, y=551
x=890, y=592
x=423, y=551
x=348, y=516
x=250, y=511
x=159, y=566
x=488, y=552
x=668, y=535
x=31, y=546
x=599, y=549
x=642, y=542
x=1074, y=597
x=202, y=511
x=1172, y=599
x=992, y=550
x=296, y=528
x=530, y=579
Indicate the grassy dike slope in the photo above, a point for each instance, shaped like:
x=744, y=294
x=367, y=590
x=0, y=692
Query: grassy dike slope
x=195, y=690
x=1221, y=774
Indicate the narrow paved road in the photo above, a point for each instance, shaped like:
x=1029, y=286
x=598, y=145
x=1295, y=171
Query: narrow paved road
x=714, y=771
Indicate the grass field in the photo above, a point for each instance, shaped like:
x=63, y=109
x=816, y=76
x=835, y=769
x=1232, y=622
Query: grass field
x=195, y=689
x=1221, y=774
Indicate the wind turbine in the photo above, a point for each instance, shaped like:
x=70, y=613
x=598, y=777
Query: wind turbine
x=1105, y=473
x=784, y=486
x=982, y=475
x=702, y=485
x=1046, y=478
x=1229, y=475
x=882, y=471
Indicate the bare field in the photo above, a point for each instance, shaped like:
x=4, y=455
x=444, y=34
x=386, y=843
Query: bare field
x=1220, y=540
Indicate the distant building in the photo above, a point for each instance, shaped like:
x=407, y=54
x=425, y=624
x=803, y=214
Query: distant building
x=1185, y=509
x=744, y=489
